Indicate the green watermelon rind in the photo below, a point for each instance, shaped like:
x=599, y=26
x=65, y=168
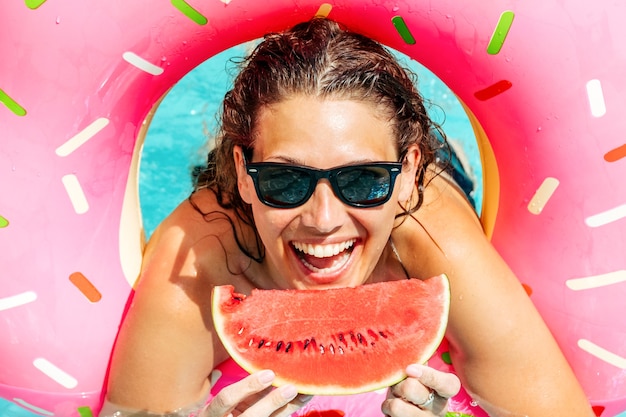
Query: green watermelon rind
x=220, y=320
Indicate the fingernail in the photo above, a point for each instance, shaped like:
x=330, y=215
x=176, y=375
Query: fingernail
x=288, y=392
x=265, y=377
x=305, y=398
x=415, y=370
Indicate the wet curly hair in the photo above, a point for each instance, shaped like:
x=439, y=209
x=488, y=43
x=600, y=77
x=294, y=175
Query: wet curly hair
x=316, y=58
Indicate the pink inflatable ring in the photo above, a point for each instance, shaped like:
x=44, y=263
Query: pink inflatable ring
x=542, y=81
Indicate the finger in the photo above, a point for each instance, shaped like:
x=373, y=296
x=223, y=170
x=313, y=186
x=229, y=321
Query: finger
x=415, y=405
x=445, y=384
x=276, y=400
x=411, y=390
x=232, y=395
x=395, y=407
x=293, y=406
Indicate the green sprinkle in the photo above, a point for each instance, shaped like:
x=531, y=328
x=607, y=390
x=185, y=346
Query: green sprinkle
x=11, y=104
x=190, y=12
x=445, y=357
x=85, y=412
x=500, y=33
x=403, y=30
x=3, y=222
x=33, y=4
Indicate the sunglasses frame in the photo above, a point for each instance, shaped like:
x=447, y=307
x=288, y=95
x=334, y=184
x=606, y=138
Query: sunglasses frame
x=254, y=169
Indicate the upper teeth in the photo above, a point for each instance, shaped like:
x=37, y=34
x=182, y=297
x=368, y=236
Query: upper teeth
x=323, y=251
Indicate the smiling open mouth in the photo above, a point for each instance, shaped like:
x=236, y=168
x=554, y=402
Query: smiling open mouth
x=324, y=259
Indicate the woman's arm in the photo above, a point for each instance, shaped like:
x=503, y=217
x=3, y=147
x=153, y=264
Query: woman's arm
x=165, y=350
x=503, y=351
x=166, y=347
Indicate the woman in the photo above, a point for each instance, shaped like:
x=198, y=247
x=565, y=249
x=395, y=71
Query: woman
x=306, y=102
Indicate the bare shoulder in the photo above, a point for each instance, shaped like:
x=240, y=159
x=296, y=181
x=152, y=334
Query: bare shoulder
x=441, y=231
x=450, y=239
x=197, y=238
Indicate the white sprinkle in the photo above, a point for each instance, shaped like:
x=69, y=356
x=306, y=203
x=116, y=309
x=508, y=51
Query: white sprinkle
x=543, y=195
x=144, y=65
x=75, y=193
x=596, y=98
x=596, y=281
x=602, y=354
x=55, y=373
x=82, y=137
x=606, y=217
x=17, y=300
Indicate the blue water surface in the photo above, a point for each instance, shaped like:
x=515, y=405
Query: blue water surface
x=177, y=140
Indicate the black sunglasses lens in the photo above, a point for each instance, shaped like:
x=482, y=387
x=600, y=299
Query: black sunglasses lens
x=282, y=186
x=287, y=186
x=364, y=186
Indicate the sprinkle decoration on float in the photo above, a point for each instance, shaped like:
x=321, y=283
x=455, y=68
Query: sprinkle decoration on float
x=542, y=82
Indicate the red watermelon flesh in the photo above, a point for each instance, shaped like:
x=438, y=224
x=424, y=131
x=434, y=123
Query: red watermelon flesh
x=336, y=341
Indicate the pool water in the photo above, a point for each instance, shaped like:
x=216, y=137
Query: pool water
x=176, y=141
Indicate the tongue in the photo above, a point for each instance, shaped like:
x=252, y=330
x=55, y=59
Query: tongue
x=320, y=263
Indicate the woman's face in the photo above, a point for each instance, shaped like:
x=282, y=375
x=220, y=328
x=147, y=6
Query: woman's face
x=324, y=242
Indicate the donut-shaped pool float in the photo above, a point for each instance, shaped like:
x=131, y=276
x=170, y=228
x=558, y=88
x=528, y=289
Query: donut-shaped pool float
x=542, y=81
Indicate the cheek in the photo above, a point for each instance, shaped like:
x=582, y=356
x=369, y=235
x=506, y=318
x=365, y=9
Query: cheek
x=270, y=222
x=379, y=223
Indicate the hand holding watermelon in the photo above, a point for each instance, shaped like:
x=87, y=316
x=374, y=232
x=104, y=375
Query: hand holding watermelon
x=425, y=388
x=252, y=396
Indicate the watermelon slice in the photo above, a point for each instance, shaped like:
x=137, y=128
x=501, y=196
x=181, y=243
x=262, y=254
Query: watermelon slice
x=335, y=341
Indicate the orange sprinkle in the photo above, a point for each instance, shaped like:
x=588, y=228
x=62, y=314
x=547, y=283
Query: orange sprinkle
x=86, y=287
x=615, y=154
x=324, y=10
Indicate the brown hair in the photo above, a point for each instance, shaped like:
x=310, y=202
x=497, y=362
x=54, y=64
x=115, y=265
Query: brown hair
x=316, y=58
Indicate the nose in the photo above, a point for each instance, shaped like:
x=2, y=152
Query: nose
x=323, y=212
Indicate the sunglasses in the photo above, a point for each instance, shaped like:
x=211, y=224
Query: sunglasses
x=282, y=185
